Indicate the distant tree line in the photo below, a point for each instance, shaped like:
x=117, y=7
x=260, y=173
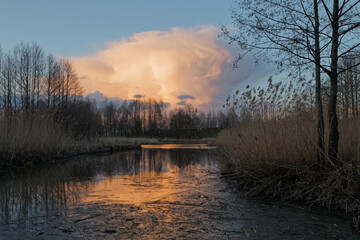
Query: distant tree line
x=349, y=88
x=149, y=117
x=33, y=81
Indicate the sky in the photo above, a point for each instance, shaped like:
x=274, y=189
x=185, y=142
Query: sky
x=128, y=48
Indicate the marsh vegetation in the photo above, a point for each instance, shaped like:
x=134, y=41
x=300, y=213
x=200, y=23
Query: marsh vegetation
x=299, y=135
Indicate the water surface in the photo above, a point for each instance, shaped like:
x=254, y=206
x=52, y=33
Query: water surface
x=158, y=192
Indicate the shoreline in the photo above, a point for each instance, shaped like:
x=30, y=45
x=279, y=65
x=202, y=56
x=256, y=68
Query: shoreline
x=101, y=146
x=273, y=165
x=255, y=190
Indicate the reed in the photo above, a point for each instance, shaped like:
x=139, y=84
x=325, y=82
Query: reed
x=24, y=136
x=276, y=160
x=28, y=139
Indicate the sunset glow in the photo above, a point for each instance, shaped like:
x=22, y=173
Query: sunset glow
x=178, y=66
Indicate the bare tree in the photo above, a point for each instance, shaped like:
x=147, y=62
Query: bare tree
x=50, y=78
x=110, y=121
x=291, y=29
x=37, y=72
x=344, y=20
x=306, y=32
x=72, y=88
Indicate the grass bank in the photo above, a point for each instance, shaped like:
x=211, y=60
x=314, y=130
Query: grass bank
x=276, y=160
x=23, y=138
x=25, y=141
x=121, y=141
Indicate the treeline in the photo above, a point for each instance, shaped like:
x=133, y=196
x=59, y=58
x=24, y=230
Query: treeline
x=30, y=78
x=33, y=82
x=150, y=117
x=348, y=88
x=36, y=83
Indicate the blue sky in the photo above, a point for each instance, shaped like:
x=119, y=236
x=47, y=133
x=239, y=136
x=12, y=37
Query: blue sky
x=103, y=38
x=77, y=27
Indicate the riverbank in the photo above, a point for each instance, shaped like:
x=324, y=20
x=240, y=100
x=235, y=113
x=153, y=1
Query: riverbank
x=275, y=160
x=25, y=143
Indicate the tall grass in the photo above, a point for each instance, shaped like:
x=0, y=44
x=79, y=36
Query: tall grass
x=349, y=145
x=36, y=136
x=253, y=145
x=41, y=136
x=276, y=160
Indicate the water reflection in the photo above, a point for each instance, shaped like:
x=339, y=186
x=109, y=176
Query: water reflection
x=147, y=194
x=178, y=146
x=131, y=177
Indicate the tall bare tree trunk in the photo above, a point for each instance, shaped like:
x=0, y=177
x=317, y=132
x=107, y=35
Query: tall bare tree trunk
x=333, y=119
x=319, y=107
x=356, y=93
x=352, y=94
x=346, y=96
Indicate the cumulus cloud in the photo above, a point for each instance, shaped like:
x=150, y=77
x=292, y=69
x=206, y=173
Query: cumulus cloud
x=170, y=65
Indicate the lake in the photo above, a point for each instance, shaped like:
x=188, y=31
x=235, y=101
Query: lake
x=170, y=191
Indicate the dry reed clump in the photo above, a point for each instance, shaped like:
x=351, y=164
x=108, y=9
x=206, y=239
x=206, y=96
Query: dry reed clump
x=32, y=137
x=349, y=144
x=23, y=137
x=276, y=160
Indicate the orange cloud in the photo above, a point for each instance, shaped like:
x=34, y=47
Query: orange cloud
x=161, y=64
